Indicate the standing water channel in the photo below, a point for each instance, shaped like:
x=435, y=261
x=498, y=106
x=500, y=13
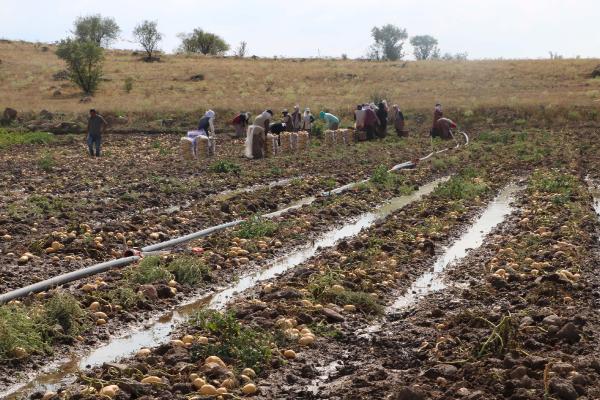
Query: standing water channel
x=160, y=330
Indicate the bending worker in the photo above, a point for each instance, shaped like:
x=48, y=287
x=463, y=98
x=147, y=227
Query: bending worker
x=333, y=122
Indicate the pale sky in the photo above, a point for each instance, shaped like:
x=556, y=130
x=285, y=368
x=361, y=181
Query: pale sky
x=482, y=28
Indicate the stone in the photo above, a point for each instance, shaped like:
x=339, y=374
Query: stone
x=445, y=370
x=518, y=372
x=408, y=393
x=10, y=114
x=45, y=114
x=562, y=368
x=553, y=319
x=164, y=291
x=149, y=292
x=569, y=333
x=332, y=315
x=563, y=389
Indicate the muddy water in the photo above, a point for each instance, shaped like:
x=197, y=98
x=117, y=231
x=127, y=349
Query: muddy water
x=160, y=330
x=432, y=281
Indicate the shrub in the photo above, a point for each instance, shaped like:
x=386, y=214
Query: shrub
x=225, y=167
x=46, y=162
x=188, y=269
x=18, y=329
x=64, y=310
x=128, y=85
x=256, y=227
x=243, y=346
x=149, y=270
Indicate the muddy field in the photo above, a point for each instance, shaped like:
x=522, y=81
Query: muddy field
x=469, y=276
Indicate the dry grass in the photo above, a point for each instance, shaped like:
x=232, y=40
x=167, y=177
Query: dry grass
x=245, y=84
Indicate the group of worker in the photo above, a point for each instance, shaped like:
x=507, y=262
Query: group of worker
x=369, y=118
x=290, y=122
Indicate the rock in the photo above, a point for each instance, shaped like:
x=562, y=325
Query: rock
x=164, y=291
x=45, y=114
x=408, y=393
x=197, y=77
x=66, y=127
x=569, y=333
x=10, y=114
x=61, y=75
x=444, y=370
x=536, y=362
x=563, y=389
x=496, y=282
x=85, y=99
x=56, y=93
x=463, y=392
x=562, y=368
x=169, y=122
x=526, y=321
x=332, y=315
x=518, y=372
x=149, y=292
x=183, y=388
x=553, y=319
x=214, y=370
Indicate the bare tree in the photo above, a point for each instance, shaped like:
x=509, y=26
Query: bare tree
x=241, y=49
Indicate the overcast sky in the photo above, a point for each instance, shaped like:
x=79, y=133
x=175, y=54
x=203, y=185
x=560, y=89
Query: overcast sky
x=482, y=28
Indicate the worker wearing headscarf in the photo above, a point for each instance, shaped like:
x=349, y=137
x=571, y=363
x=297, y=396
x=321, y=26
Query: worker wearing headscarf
x=382, y=114
x=307, y=120
x=240, y=123
x=437, y=114
x=398, y=120
x=333, y=122
x=286, y=119
x=296, y=118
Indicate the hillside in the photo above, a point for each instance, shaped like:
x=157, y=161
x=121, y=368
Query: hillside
x=27, y=84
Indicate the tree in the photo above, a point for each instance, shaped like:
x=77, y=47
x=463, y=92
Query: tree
x=425, y=47
x=203, y=42
x=94, y=28
x=241, y=50
x=84, y=62
x=389, y=40
x=148, y=36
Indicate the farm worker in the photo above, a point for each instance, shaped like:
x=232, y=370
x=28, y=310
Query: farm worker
x=332, y=121
x=359, y=117
x=240, y=123
x=287, y=121
x=296, y=119
x=382, y=114
x=205, y=126
x=444, y=127
x=398, y=120
x=307, y=120
x=437, y=114
x=371, y=122
x=96, y=127
x=278, y=127
x=263, y=120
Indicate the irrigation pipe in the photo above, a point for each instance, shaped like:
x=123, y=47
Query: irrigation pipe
x=133, y=256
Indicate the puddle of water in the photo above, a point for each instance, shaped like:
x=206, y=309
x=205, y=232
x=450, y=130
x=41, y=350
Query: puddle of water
x=432, y=281
x=160, y=331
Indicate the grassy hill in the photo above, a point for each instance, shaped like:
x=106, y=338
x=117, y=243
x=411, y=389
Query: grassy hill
x=230, y=85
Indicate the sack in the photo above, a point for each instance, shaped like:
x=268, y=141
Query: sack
x=303, y=141
x=347, y=136
x=285, y=142
x=330, y=138
x=361, y=135
x=272, y=145
x=254, y=147
x=294, y=142
x=186, y=148
x=205, y=147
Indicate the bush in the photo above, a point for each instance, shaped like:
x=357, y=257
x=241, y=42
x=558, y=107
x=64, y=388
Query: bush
x=203, y=42
x=225, y=167
x=63, y=309
x=189, y=270
x=84, y=63
x=12, y=139
x=18, y=329
x=46, y=162
x=256, y=227
x=128, y=85
x=149, y=270
x=243, y=346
